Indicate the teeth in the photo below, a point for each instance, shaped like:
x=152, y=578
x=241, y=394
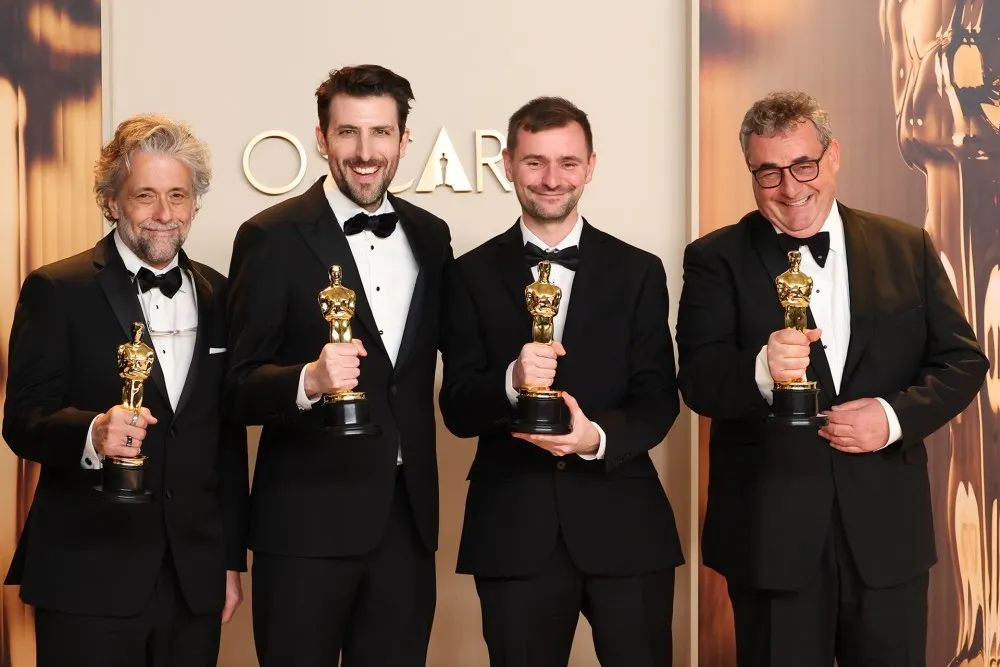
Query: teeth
x=797, y=202
x=364, y=171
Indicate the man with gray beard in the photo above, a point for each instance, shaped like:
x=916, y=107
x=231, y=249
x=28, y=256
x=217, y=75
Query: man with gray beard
x=129, y=585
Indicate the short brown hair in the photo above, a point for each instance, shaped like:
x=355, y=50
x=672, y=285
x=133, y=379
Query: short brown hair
x=150, y=133
x=545, y=113
x=363, y=81
x=780, y=112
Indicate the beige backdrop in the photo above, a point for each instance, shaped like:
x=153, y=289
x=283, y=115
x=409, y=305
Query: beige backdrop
x=234, y=70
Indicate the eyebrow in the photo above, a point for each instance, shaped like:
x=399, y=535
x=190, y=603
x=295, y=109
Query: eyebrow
x=348, y=126
x=562, y=158
x=774, y=165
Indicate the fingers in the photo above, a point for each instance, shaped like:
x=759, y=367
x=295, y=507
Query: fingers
x=813, y=335
x=558, y=348
x=856, y=404
x=361, y=347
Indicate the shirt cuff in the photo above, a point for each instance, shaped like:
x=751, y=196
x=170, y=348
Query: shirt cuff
x=895, y=430
x=603, y=445
x=509, y=384
x=301, y=400
x=762, y=374
x=91, y=460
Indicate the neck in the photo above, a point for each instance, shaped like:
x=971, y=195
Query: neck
x=551, y=232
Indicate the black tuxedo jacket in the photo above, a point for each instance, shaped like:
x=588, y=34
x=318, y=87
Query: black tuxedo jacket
x=771, y=492
x=613, y=513
x=315, y=494
x=79, y=553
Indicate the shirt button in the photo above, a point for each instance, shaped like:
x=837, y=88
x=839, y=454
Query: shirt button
x=88, y=461
x=371, y=247
x=378, y=289
x=380, y=332
x=560, y=465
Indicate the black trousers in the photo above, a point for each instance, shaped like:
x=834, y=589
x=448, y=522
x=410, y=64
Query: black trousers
x=834, y=616
x=373, y=610
x=164, y=634
x=530, y=621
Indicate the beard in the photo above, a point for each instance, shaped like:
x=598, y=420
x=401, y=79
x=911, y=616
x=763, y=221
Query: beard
x=535, y=208
x=153, y=249
x=368, y=194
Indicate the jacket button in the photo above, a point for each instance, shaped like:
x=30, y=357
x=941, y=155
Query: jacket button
x=560, y=465
x=392, y=389
x=168, y=494
x=172, y=432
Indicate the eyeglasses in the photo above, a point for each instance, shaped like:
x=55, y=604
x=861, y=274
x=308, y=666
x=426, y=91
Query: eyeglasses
x=803, y=172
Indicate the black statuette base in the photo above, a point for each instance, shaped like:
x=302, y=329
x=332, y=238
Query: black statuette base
x=350, y=417
x=542, y=416
x=123, y=483
x=797, y=407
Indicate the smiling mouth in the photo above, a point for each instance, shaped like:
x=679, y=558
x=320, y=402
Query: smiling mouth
x=365, y=171
x=797, y=202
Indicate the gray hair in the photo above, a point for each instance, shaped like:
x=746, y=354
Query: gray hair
x=150, y=133
x=780, y=112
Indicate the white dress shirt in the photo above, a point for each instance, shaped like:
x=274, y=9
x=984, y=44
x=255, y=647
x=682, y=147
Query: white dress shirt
x=563, y=278
x=388, y=273
x=830, y=305
x=172, y=324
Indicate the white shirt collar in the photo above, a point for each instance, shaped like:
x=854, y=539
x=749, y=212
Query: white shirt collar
x=133, y=263
x=833, y=224
x=571, y=239
x=343, y=208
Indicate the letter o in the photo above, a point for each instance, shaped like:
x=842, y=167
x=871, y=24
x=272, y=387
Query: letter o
x=275, y=134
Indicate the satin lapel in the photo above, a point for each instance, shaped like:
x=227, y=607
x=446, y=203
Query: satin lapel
x=120, y=291
x=861, y=279
x=422, y=254
x=326, y=239
x=765, y=242
x=514, y=270
x=203, y=294
x=587, y=284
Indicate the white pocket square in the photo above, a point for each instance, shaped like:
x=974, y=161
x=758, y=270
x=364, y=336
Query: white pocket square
x=216, y=350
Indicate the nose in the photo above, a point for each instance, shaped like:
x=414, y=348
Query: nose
x=364, y=147
x=161, y=209
x=550, y=177
x=788, y=185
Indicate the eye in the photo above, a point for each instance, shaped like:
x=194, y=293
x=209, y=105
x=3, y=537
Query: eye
x=144, y=197
x=345, y=131
x=383, y=132
x=178, y=197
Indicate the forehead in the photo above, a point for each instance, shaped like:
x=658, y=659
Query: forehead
x=157, y=171
x=555, y=142
x=784, y=147
x=362, y=111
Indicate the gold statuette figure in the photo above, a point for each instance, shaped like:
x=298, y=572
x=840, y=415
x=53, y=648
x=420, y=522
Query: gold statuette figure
x=347, y=411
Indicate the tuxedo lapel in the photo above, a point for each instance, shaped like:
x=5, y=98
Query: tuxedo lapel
x=422, y=251
x=203, y=294
x=120, y=291
x=514, y=270
x=861, y=280
x=324, y=236
x=589, y=288
x=775, y=260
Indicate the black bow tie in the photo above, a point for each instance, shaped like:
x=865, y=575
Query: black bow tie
x=381, y=225
x=568, y=257
x=168, y=282
x=819, y=245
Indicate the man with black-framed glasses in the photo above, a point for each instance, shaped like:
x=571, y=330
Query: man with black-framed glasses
x=824, y=535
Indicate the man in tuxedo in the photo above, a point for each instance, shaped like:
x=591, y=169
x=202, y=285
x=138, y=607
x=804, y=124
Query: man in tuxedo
x=559, y=524
x=343, y=528
x=129, y=584
x=824, y=534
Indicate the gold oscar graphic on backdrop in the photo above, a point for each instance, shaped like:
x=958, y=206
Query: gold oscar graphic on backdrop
x=123, y=477
x=347, y=412
x=945, y=73
x=796, y=402
x=541, y=409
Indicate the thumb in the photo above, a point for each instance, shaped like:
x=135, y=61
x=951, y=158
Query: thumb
x=149, y=416
x=571, y=402
x=856, y=404
x=558, y=347
x=814, y=334
x=362, y=352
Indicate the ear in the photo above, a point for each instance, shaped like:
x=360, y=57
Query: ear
x=116, y=212
x=404, y=143
x=321, y=142
x=591, y=164
x=508, y=165
x=833, y=152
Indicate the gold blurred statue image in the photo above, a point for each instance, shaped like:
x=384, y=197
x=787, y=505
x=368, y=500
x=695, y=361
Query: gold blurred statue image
x=542, y=409
x=347, y=412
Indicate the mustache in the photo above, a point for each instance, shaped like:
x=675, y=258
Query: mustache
x=361, y=164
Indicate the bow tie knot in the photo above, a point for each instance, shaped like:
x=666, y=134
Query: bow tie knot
x=819, y=245
x=381, y=225
x=168, y=283
x=567, y=257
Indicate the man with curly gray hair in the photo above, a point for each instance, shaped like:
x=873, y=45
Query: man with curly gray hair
x=137, y=583
x=824, y=533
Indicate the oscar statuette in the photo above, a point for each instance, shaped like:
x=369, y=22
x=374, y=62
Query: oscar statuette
x=346, y=412
x=122, y=477
x=541, y=410
x=796, y=403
